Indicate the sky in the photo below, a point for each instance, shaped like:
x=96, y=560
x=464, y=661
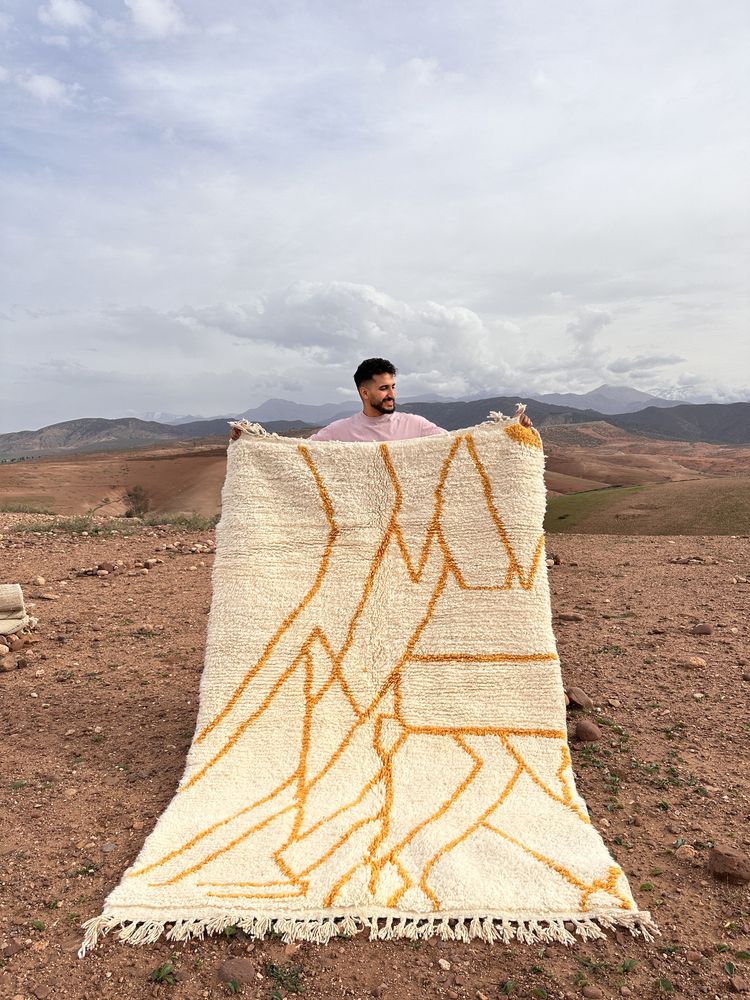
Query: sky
x=205, y=205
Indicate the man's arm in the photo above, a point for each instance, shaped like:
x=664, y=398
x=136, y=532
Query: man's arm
x=322, y=435
x=428, y=429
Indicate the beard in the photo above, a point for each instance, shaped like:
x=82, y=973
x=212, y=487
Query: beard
x=385, y=406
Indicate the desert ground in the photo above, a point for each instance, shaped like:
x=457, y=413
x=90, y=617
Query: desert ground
x=97, y=714
x=623, y=482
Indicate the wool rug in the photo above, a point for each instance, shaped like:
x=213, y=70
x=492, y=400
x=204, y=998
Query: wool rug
x=13, y=616
x=381, y=737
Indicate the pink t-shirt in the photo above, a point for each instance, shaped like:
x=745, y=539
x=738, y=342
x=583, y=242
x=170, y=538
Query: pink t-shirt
x=388, y=427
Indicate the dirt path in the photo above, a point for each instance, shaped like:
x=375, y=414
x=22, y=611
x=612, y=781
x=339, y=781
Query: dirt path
x=95, y=730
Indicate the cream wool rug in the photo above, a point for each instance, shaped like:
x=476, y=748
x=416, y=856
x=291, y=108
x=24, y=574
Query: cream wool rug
x=381, y=737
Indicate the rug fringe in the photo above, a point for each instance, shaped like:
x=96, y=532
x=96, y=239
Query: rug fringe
x=320, y=930
x=255, y=429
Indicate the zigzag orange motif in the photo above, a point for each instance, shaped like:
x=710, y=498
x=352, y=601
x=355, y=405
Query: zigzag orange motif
x=385, y=705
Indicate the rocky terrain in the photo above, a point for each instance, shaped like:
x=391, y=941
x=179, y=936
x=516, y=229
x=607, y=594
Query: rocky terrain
x=97, y=712
x=188, y=476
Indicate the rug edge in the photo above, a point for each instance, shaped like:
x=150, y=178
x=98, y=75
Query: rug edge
x=322, y=928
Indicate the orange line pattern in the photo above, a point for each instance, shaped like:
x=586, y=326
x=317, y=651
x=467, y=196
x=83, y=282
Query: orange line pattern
x=346, y=803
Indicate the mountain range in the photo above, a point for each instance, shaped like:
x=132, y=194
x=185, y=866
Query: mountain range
x=720, y=423
x=604, y=399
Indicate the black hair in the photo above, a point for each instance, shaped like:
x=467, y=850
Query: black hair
x=371, y=367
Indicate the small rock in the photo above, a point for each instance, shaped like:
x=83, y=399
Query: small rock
x=738, y=984
x=701, y=629
x=444, y=964
x=48, y=596
x=482, y=996
x=570, y=616
x=39, y=581
x=101, y=573
x=730, y=864
x=41, y=992
x=4, y=650
x=687, y=854
x=746, y=675
x=625, y=991
x=15, y=643
x=12, y=949
x=579, y=698
x=592, y=993
x=241, y=970
x=587, y=731
x=452, y=995
x=7, y=663
x=550, y=563
x=613, y=702
x=137, y=824
x=292, y=948
x=108, y=848
x=692, y=663
x=693, y=956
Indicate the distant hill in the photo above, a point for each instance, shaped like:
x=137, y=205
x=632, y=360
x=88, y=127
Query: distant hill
x=466, y=413
x=711, y=506
x=309, y=413
x=719, y=423
x=100, y=434
x=322, y=413
x=716, y=423
x=606, y=399
x=163, y=417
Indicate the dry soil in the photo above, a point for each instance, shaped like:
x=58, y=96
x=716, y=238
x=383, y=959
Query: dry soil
x=95, y=730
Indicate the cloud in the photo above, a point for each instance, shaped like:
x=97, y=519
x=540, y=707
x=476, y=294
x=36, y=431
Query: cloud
x=427, y=72
x=156, y=18
x=46, y=89
x=60, y=41
x=644, y=362
x=66, y=14
x=334, y=323
x=584, y=329
x=502, y=196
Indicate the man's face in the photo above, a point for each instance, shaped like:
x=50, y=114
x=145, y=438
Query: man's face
x=380, y=393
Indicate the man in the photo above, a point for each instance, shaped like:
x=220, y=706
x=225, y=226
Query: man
x=378, y=420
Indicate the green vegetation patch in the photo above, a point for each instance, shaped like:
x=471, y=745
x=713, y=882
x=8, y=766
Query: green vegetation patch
x=23, y=507
x=567, y=513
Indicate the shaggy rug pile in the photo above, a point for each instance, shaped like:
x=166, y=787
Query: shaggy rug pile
x=381, y=738
x=13, y=617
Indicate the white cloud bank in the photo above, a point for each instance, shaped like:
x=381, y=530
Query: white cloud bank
x=304, y=342
x=66, y=14
x=156, y=18
x=503, y=197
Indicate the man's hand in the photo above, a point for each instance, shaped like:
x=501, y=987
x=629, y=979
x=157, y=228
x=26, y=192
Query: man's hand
x=525, y=421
